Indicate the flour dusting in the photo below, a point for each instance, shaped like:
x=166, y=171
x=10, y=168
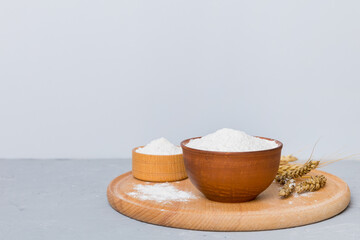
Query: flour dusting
x=161, y=192
x=306, y=194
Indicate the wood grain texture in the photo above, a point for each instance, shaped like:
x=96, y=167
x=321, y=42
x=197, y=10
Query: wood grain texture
x=267, y=211
x=158, y=168
x=231, y=176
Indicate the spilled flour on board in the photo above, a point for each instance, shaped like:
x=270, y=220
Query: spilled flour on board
x=161, y=192
x=306, y=194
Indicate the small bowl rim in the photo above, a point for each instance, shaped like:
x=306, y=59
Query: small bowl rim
x=280, y=145
x=135, y=148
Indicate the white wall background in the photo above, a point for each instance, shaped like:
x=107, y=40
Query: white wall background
x=93, y=79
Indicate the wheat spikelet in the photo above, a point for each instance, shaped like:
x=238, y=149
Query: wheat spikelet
x=287, y=167
x=284, y=176
x=311, y=185
x=287, y=159
x=286, y=190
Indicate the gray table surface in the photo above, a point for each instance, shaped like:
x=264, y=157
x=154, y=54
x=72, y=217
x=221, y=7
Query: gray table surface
x=66, y=199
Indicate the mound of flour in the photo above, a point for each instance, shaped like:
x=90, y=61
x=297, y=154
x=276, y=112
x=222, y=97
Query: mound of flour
x=160, y=146
x=230, y=140
x=160, y=192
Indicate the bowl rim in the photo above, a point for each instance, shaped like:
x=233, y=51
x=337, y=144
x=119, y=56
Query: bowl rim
x=182, y=144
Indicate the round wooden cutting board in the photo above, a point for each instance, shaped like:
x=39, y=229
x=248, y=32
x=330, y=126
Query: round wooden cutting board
x=267, y=211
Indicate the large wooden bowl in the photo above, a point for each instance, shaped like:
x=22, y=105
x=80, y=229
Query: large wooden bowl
x=231, y=176
x=158, y=168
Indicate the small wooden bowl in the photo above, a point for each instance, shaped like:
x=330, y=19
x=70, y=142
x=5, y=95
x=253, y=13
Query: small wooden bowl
x=231, y=176
x=158, y=168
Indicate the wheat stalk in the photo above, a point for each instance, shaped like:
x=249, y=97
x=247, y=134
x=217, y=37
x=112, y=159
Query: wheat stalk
x=295, y=172
x=287, y=159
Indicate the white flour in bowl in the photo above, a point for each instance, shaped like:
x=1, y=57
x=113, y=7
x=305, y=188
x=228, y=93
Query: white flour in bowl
x=160, y=146
x=160, y=192
x=230, y=140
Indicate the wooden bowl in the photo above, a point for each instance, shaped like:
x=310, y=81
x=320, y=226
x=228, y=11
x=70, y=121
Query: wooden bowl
x=231, y=176
x=158, y=168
